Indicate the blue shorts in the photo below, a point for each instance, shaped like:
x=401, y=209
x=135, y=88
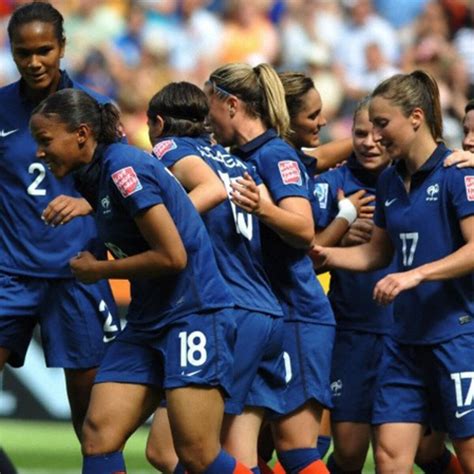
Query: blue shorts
x=355, y=365
x=75, y=319
x=259, y=372
x=428, y=385
x=194, y=350
x=308, y=352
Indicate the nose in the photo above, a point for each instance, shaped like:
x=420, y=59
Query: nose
x=40, y=154
x=323, y=122
x=376, y=135
x=468, y=142
x=369, y=140
x=34, y=62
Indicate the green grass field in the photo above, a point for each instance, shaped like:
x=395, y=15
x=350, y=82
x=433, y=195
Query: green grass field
x=51, y=448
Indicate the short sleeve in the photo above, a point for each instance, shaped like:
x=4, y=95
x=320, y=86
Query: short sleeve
x=137, y=186
x=170, y=151
x=460, y=183
x=325, y=190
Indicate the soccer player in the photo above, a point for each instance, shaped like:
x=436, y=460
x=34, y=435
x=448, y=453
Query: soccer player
x=36, y=283
x=177, y=129
x=248, y=111
x=361, y=324
x=425, y=217
x=179, y=335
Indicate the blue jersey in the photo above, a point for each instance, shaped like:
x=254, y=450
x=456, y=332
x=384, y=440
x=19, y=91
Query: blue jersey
x=290, y=269
x=350, y=293
x=235, y=234
x=27, y=245
x=129, y=181
x=423, y=225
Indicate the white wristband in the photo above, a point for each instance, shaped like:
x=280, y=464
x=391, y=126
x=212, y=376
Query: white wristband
x=347, y=210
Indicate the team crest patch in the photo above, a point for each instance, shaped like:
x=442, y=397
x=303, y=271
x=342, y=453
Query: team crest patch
x=290, y=172
x=127, y=181
x=161, y=148
x=321, y=191
x=469, y=184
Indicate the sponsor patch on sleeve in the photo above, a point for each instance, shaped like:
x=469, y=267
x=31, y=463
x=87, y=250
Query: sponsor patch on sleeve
x=127, y=181
x=321, y=192
x=161, y=148
x=469, y=184
x=290, y=172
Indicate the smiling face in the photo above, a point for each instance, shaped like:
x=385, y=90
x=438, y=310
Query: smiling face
x=307, y=123
x=369, y=154
x=60, y=148
x=37, y=52
x=391, y=128
x=468, y=130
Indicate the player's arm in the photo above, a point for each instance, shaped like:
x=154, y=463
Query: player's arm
x=62, y=209
x=291, y=219
x=204, y=187
x=375, y=254
x=457, y=264
x=349, y=209
x=460, y=158
x=330, y=154
x=166, y=255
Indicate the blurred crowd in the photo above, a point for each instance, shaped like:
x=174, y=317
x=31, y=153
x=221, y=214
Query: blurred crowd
x=129, y=49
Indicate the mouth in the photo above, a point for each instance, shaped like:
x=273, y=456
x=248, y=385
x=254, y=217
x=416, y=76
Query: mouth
x=37, y=77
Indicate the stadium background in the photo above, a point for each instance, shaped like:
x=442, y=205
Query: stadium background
x=129, y=49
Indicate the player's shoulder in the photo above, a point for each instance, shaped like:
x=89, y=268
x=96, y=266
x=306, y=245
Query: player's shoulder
x=9, y=94
x=102, y=99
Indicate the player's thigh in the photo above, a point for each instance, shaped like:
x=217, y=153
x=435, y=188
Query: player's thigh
x=195, y=414
x=115, y=411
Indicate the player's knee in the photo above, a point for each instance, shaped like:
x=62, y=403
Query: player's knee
x=350, y=460
x=98, y=439
x=197, y=455
x=165, y=460
x=391, y=461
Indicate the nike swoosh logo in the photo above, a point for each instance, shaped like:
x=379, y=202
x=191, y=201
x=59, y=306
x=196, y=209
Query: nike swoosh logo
x=463, y=413
x=5, y=134
x=190, y=374
x=389, y=202
x=109, y=338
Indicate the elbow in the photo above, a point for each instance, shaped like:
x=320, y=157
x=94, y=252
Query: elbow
x=180, y=261
x=220, y=195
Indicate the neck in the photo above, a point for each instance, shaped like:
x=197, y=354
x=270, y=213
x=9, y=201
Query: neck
x=419, y=153
x=249, y=129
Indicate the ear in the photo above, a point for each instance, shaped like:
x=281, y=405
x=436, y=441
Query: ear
x=232, y=103
x=417, y=117
x=83, y=133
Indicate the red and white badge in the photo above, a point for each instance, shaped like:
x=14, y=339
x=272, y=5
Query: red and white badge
x=161, y=148
x=469, y=183
x=290, y=172
x=127, y=181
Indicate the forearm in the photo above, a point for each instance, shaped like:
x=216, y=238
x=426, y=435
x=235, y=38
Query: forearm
x=332, y=153
x=148, y=264
x=360, y=258
x=205, y=198
x=332, y=234
x=455, y=265
x=293, y=228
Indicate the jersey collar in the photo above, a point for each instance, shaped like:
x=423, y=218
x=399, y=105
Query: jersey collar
x=438, y=154
x=250, y=147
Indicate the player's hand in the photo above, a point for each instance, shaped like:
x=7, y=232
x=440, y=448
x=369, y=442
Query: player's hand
x=63, y=209
x=319, y=256
x=84, y=267
x=358, y=233
x=460, y=158
x=389, y=287
x=360, y=201
x=246, y=195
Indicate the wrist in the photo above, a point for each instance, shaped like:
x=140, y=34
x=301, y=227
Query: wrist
x=347, y=210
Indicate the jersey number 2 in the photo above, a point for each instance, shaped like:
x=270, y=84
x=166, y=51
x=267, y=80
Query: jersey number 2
x=33, y=189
